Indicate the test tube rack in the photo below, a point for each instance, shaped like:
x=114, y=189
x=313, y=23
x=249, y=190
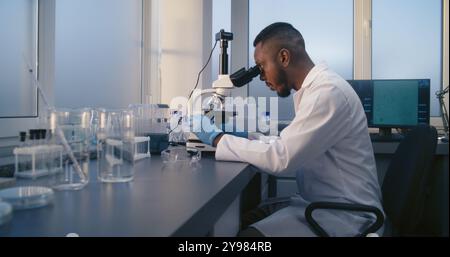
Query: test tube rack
x=33, y=154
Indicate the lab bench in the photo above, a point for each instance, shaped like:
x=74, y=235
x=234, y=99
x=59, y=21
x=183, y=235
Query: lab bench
x=160, y=201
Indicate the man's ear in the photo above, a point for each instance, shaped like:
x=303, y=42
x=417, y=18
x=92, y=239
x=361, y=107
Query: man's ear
x=284, y=56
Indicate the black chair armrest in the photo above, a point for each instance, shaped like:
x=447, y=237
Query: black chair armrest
x=343, y=206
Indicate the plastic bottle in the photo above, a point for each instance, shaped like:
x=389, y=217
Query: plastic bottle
x=32, y=133
x=23, y=138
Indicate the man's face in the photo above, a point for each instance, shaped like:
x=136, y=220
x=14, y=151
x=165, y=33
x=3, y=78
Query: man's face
x=272, y=71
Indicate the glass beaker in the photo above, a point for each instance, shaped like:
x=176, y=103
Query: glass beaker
x=115, y=146
x=72, y=129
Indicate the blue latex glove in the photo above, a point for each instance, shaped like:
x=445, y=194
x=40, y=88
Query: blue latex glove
x=231, y=130
x=205, y=129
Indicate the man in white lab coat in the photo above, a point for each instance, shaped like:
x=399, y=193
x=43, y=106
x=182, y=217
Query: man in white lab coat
x=327, y=144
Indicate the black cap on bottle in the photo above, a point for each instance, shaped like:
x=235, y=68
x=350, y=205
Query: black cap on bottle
x=23, y=136
x=43, y=133
x=32, y=134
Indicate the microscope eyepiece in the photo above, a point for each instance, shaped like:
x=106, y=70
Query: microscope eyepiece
x=242, y=76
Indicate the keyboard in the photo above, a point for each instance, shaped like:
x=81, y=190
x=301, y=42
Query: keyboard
x=375, y=137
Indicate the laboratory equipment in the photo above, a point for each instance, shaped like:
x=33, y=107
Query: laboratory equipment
x=94, y=126
x=37, y=161
x=150, y=118
x=84, y=179
x=27, y=197
x=221, y=88
x=152, y=121
x=394, y=103
x=23, y=138
x=180, y=156
x=5, y=212
x=444, y=115
x=141, y=148
x=36, y=157
x=115, y=146
x=74, y=129
x=180, y=128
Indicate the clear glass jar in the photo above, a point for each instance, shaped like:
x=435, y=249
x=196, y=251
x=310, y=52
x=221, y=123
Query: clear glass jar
x=115, y=146
x=71, y=129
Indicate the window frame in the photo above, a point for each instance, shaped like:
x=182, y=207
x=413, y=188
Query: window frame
x=150, y=81
x=445, y=55
x=362, y=47
x=11, y=125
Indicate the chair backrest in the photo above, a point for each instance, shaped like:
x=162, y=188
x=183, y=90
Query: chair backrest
x=406, y=182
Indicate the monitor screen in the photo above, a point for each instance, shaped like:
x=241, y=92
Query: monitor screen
x=399, y=103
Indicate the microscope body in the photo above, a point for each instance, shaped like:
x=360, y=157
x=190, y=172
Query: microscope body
x=221, y=88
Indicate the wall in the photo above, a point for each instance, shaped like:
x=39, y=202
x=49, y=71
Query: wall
x=445, y=51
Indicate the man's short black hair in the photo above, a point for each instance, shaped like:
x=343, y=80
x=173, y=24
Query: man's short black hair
x=282, y=31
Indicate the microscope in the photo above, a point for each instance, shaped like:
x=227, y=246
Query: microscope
x=221, y=88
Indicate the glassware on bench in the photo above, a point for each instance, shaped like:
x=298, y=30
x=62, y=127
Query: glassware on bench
x=70, y=128
x=115, y=146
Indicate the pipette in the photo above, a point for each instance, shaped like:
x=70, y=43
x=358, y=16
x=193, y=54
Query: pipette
x=58, y=131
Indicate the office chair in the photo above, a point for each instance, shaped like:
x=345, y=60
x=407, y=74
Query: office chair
x=405, y=188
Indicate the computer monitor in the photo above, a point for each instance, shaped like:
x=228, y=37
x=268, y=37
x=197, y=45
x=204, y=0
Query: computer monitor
x=394, y=103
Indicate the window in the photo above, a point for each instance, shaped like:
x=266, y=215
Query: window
x=18, y=50
x=327, y=27
x=407, y=42
x=98, y=53
x=90, y=55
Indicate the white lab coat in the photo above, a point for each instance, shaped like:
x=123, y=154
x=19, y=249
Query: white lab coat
x=327, y=146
